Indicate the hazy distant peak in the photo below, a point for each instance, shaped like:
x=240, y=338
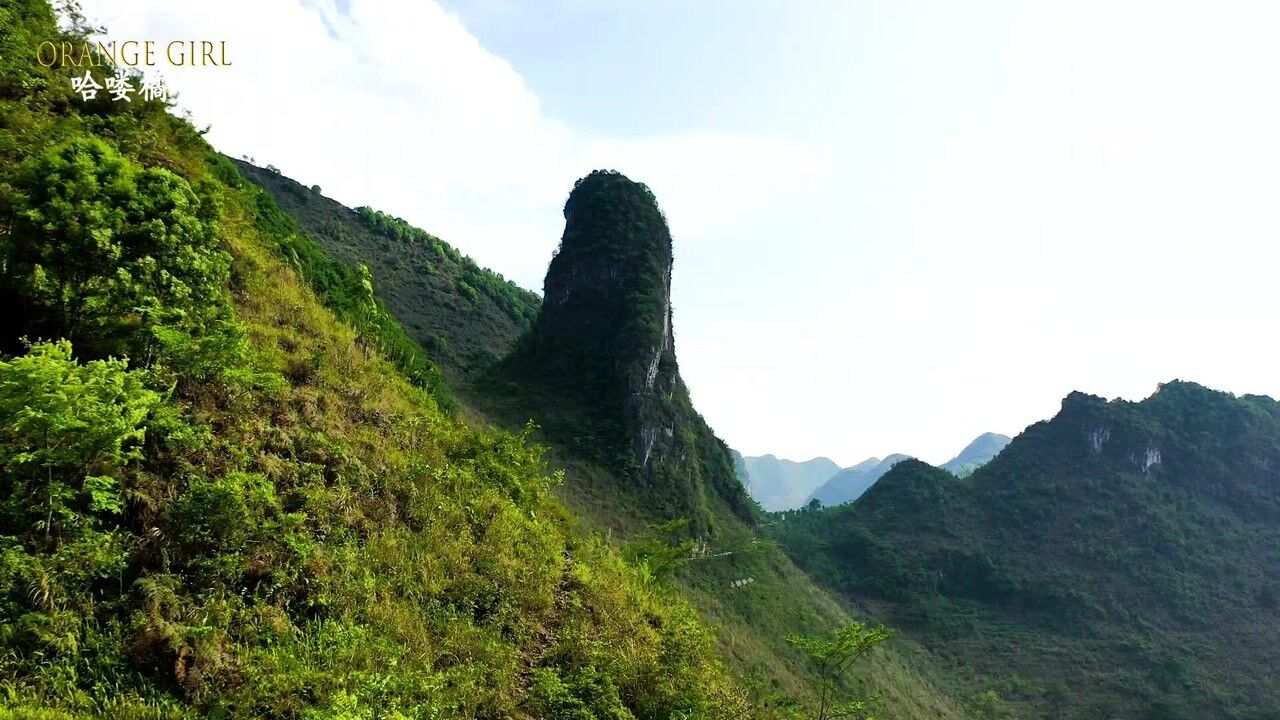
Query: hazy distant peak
x=781, y=484
x=848, y=484
x=977, y=453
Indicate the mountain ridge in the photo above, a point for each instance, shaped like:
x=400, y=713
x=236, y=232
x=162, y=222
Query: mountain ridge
x=976, y=454
x=1137, y=538
x=465, y=317
x=853, y=481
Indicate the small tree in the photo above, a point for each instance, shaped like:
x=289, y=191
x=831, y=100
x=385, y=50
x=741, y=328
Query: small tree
x=833, y=657
x=115, y=257
x=661, y=551
x=988, y=706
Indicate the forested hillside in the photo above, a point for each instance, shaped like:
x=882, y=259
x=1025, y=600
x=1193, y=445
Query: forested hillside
x=464, y=316
x=231, y=486
x=1119, y=560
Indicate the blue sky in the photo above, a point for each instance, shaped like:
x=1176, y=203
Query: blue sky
x=897, y=225
x=644, y=68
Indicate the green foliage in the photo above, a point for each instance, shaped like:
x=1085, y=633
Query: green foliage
x=663, y=550
x=69, y=435
x=519, y=304
x=107, y=253
x=349, y=291
x=464, y=316
x=67, y=430
x=257, y=515
x=988, y=706
x=1132, y=537
x=832, y=658
x=467, y=291
x=588, y=696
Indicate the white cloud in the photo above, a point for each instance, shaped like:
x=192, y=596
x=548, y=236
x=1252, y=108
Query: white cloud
x=396, y=105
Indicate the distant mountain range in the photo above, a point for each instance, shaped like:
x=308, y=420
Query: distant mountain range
x=780, y=484
x=848, y=484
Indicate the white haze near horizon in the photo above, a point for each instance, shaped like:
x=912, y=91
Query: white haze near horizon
x=914, y=222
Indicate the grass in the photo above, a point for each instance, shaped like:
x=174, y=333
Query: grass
x=421, y=280
x=307, y=534
x=427, y=571
x=751, y=622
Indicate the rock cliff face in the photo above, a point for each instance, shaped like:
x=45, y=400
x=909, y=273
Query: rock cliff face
x=605, y=335
x=607, y=293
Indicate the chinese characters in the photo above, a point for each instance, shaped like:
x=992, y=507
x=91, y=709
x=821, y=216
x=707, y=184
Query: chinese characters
x=122, y=86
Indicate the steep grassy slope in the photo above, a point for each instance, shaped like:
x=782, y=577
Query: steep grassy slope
x=752, y=619
x=257, y=514
x=600, y=375
x=466, y=317
x=1117, y=561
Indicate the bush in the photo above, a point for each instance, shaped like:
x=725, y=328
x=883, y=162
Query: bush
x=108, y=254
x=67, y=431
x=68, y=435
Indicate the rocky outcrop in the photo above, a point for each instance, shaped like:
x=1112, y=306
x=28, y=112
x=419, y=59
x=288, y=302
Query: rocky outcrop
x=605, y=336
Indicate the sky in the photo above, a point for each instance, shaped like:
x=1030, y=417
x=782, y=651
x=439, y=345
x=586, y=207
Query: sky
x=896, y=225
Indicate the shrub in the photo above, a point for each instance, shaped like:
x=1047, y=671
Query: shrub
x=106, y=253
x=68, y=433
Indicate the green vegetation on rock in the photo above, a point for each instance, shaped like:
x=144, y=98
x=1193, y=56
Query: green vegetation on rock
x=603, y=352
